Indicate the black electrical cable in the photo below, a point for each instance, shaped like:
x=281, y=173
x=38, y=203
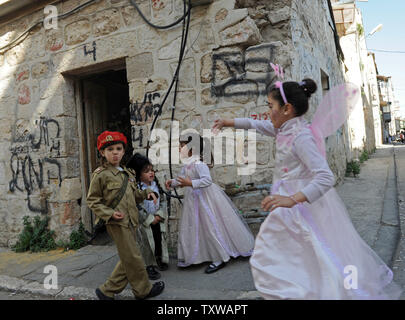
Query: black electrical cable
x=174, y=80
x=181, y=56
x=156, y=26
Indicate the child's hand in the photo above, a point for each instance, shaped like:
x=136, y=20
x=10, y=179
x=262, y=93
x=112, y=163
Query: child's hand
x=152, y=195
x=184, y=182
x=277, y=201
x=218, y=125
x=157, y=220
x=168, y=184
x=118, y=215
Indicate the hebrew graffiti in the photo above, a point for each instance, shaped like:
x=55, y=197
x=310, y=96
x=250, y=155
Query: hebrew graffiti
x=31, y=166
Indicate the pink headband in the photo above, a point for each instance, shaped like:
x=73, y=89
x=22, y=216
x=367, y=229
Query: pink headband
x=279, y=85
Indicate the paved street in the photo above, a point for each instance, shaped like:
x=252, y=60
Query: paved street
x=371, y=200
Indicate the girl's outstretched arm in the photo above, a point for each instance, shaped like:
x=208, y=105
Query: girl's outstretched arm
x=264, y=127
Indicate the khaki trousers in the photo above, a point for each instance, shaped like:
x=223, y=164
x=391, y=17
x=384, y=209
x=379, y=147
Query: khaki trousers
x=130, y=268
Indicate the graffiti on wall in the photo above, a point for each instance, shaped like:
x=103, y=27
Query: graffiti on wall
x=237, y=66
x=31, y=164
x=142, y=114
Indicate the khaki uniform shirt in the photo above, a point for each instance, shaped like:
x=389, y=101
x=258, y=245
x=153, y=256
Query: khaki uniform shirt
x=105, y=185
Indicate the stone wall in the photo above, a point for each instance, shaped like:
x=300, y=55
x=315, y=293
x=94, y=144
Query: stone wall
x=224, y=74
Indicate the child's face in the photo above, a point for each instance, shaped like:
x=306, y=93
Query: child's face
x=184, y=151
x=147, y=175
x=114, y=153
x=278, y=114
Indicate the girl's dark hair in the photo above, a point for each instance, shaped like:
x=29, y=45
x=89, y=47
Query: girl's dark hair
x=139, y=162
x=194, y=139
x=296, y=93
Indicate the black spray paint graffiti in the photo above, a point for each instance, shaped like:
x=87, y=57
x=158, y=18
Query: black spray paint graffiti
x=87, y=52
x=137, y=135
x=235, y=64
x=145, y=112
x=28, y=170
x=142, y=114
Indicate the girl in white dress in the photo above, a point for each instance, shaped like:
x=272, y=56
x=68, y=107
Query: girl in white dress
x=307, y=247
x=210, y=227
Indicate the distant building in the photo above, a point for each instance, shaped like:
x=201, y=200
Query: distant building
x=360, y=69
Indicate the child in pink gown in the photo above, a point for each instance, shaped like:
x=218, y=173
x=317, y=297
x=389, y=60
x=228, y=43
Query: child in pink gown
x=307, y=247
x=210, y=227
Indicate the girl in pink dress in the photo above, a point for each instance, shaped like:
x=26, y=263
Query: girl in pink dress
x=210, y=227
x=307, y=247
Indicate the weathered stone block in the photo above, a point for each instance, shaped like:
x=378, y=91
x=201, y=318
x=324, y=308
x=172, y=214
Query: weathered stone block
x=187, y=73
x=161, y=9
x=227, y=63
x=194, y=121
x=171, y=50
x=140, y=66
x=54, y=39
x=71, y=189
x=40, y=70
x=232, y=18
x=22, y=73
x=157, y=84
x=276, y=16
x=226, y=113
x=148, y=38
x=16, y=55
x=221, y=15
x=106, y=21
x=241, y=92
x=93, y=7
x=201, y=37
x=206, y=68
x=24, y=94
x=136, y=91
x=77, y=32
x=226, y=175
x=245, y=32
x=207, y=98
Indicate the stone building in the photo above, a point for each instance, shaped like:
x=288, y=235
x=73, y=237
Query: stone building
x=364, y=122
x=104, y=68
x=388, y=106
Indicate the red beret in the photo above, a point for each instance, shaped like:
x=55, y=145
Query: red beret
x=110, y=136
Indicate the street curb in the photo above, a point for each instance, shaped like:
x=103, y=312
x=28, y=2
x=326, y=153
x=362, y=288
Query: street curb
x=397, y=261
x=16, y=285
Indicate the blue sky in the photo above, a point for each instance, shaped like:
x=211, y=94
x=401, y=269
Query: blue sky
x=391, y=13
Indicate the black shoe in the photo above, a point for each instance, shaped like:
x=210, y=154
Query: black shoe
x=212, y=267
x=152, y=273
x=102, y=296
x=161, y=265
x=157, y=289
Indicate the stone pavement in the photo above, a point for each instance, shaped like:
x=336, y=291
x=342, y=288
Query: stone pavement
x=371, y=199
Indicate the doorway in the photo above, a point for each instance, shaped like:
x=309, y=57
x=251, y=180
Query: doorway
x=105, y=106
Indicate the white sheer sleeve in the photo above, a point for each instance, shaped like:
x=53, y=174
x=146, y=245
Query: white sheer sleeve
x=264, y=127
x=205, y=179
x=323, y=178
